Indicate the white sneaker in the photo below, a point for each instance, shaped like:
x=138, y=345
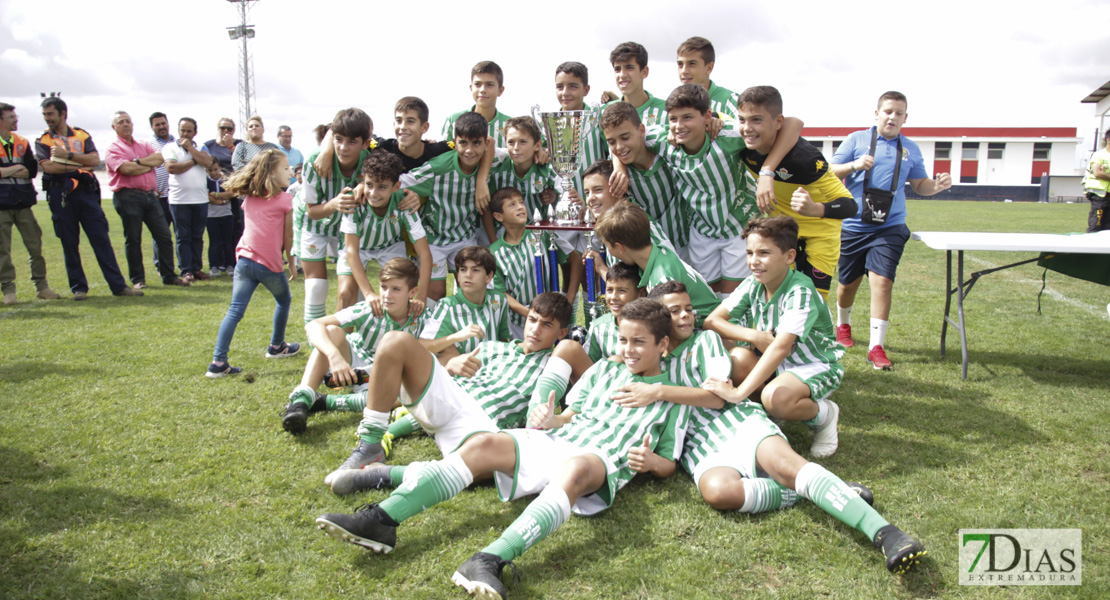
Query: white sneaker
x=214, y=272
x=826, y=438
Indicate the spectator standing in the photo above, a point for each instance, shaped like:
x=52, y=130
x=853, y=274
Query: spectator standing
x=187, y=165
x=285, y=140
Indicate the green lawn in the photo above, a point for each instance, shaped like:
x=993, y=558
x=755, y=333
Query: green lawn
x=125, y=473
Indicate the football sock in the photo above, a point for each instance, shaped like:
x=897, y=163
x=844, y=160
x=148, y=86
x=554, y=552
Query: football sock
x=346, y=402
x=373, y=426
x=315, y=296
x=829, y=492
x=406, y=425
x=303, y=394
x=555, y=376
x=843, y=315
x=544, y=515
x=822, y=415
x=397, y=473
x=437, y=481
x=878, y=332
x=764, y=494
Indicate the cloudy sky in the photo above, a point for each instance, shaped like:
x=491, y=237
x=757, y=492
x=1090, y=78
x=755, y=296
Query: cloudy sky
x=961, y=63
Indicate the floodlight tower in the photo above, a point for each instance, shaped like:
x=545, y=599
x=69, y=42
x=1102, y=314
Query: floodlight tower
x=244, y=32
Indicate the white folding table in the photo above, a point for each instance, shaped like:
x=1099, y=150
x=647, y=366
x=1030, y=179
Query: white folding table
x=961, y=241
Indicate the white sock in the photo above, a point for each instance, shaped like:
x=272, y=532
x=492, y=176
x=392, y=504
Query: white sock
x=315, y=296
x=878, y=332
x=843, y=315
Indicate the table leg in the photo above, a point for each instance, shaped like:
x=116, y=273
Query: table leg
x=960, y=307
x=947, y=302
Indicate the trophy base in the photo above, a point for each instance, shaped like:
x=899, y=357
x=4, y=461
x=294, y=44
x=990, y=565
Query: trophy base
x=553, y=225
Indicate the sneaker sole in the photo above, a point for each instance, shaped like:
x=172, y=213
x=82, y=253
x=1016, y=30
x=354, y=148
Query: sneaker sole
x=285, y=355
x=475, y=588
x=825, y=452
x=294, y=424
x=879, y=368
x=907, y=563
x=337, y=532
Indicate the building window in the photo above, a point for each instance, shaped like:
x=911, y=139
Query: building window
x=968, y=178
x=971, y=152
x=943, y=151
x=836, y=145
x=1041, y=151
x=995, y=149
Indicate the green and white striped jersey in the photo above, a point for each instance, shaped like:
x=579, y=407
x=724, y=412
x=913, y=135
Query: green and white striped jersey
x=496, y=127
x=664, y=265
x=652, y=112
x=656, y=191
x=700, y=357
x=516, y=266
x=613, y=429
x=450, y=214
x=723, y=101
x=718, y=190
x=602, y=339
x=319, y=191
x=795, y=308
x=537, y=179
x=506, y=381
x=455, y=313
x=370, y=329
x=374, y=232
x=709, y=429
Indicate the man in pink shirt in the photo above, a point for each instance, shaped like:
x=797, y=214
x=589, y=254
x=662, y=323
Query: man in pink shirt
x=131, y=165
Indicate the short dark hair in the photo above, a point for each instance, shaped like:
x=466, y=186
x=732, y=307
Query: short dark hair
x=667, y=287
x=352, y=123
x=651, y=313
x=555, y=305
x=414, y=104
x=626, y=224
x=157, y=115
x=501, y=196
x=282, y=128
x=698, y=44
x=471, y=126
x=629, y=51
x=400, y=267
x=690, y=95
x=891, y=95
x=623, y=272
x=383, y=166
x=603, y=167
x=527, y=125
x=478, y=255
x=321, y=130
x=1105, y=134
x=189, y=119
x=617, y=113
x=491, y=68
x=56, y=103
x=5, y=107
x=577, y=69
x=764, y=96
x=782, y=231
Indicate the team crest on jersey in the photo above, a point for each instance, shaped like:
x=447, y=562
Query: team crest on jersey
x=537, y=184
x=783, y=173
x=312, y=248
x=653, y=120
x=820, y=164
x=393, y=218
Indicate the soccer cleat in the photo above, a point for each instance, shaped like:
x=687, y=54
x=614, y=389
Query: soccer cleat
x=215, y=372
x=370, y=477
x=877, y=357
x=363, y=454
x=901, y=550
x=295, y=418
x=865, y=494
x=286, y=349
x=47, y=294
x=480, y=575
x=826, y=438
x=368, y=528
x=320, y=404
x=844, y=336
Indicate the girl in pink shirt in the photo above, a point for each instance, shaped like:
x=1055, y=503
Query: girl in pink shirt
x=267, y=228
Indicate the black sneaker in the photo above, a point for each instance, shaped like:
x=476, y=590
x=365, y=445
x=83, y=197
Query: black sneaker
x=215, y=372
x=480, y=575
x=863, y=491
x=295, y=419
x=363, y=454
x=902, y=551
x=349, y=481
x=369, y=527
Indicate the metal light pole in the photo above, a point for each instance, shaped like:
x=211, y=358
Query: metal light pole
x=244, y=32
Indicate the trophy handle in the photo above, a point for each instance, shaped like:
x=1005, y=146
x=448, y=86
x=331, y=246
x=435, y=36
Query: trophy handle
x=536, y=115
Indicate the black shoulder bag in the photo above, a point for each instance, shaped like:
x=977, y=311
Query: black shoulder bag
x=877, y=202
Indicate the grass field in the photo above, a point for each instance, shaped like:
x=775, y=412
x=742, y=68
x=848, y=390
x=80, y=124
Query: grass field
x=125, y=473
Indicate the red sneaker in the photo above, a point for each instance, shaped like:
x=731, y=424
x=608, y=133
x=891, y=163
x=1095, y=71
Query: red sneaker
x=877, y=358
x=844, y=336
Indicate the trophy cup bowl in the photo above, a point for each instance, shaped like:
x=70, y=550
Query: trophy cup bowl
x=564, y=131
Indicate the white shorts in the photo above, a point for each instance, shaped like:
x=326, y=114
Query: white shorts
x=574, y=239
x=342, y=267
x=539, y=456
x=718, y=259
x=739, y=452
x=316, y=246
x=447, y=412
x=443, y=257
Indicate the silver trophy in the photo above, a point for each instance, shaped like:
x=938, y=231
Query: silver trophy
x=565, y=132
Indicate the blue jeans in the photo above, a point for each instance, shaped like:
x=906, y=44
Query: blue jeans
x=248, y=274
x=189, y=221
